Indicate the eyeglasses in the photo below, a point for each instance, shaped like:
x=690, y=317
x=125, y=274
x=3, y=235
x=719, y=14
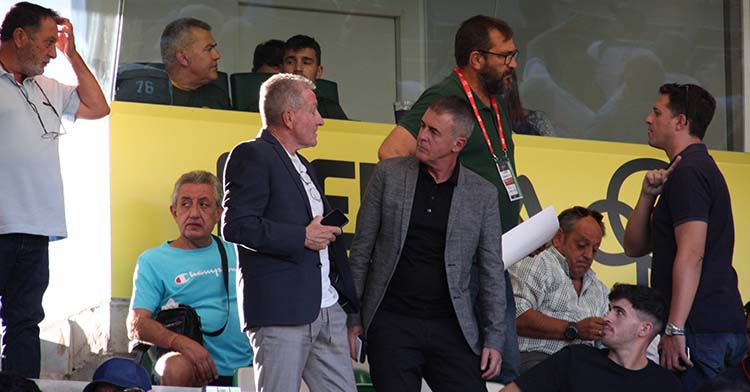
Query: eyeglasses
x=47, y=134
x=508, y=56
x=132, y=389
x=311, y=189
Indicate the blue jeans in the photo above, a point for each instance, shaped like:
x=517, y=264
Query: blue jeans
x=711, y=353
x=24, y=275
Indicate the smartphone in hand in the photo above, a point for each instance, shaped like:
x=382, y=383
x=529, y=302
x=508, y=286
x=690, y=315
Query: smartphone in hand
x=361, y=346
x=334, y=218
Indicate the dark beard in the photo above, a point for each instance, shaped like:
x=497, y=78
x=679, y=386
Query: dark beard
x=493, y=83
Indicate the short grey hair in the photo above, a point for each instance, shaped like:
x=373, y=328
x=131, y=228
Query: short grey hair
x=198, y=177
x=459, y=110
x=178, y=36
x=282, y=92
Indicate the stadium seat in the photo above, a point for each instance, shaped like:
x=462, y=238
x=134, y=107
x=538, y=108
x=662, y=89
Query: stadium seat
x=142, y=83
x=245, y=88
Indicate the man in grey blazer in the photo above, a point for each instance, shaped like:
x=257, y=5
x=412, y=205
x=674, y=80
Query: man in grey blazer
x=423, y=221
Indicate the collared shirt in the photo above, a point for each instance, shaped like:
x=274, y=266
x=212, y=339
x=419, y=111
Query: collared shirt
x=543, y=284
x=419, y=286
x=30, y=165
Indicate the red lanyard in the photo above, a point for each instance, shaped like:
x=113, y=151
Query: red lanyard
x=493, y=102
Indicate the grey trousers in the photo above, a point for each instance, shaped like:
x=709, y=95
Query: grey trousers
x=316, y=352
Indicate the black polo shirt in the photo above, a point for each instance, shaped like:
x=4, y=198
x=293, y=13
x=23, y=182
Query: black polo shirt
x=419, y=286
x=697, y=191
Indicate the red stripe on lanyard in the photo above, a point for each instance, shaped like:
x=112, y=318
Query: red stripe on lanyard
x=493, y=102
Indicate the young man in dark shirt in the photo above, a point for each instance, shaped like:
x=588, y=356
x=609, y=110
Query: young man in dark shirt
x=636, y=315
x=690, y=231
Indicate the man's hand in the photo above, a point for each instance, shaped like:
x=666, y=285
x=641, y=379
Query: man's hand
x=65, y=40
x=654, y=180
x=672, y=349
x=203, y=364
x=490, y=363
x=317, y=236
x=352, y=333
x=591, y=328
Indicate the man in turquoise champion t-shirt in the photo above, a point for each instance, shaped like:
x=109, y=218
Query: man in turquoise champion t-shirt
x=188, y=271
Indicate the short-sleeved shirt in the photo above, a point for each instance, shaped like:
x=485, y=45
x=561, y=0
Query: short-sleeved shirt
x=194, y=277
x=697, y=191
x=543, y=283
x=582, y=368
x=29, y=164
x=209, y=96
x=475, y=155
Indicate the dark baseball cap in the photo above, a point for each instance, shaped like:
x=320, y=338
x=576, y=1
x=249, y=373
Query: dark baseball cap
x=121, y=372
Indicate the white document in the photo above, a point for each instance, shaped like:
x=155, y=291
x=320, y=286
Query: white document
x=529, y=236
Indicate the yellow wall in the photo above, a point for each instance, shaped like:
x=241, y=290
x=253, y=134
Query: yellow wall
x=153, y=145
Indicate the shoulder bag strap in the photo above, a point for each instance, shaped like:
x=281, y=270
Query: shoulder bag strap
x=225, y=272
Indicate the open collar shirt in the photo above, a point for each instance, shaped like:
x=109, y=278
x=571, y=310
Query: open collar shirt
x=543, y=283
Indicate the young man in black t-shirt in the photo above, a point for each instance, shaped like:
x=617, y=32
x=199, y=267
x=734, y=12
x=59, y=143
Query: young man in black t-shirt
x=636, y=315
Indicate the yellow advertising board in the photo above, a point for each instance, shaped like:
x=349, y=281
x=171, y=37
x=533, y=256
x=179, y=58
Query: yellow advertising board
x=151, y=146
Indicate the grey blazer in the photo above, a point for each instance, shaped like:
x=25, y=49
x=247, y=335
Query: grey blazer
x=473, y=235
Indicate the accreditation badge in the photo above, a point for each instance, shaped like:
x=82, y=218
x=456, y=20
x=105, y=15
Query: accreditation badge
x=508, y=177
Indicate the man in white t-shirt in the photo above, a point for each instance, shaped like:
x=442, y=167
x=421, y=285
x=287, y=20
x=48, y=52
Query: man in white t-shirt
x=294, y=275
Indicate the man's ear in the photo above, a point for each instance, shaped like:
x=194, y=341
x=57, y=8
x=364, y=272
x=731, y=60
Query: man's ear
x=558, y=239
x=287, y=118
x=476, y=60
x=319, y=74
x=173, y=211
x=182, y=58
x=645, y=329
x=459, y=144
x=20, y=37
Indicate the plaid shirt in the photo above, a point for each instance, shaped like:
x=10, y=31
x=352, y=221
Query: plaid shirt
x=543, y=284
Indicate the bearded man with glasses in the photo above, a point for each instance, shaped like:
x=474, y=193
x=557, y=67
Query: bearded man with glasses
x=32, y=211
x=295, y=281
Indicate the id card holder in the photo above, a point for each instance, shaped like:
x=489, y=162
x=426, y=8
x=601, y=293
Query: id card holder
x=508, y=177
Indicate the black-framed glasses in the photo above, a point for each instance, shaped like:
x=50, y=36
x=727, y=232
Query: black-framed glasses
x=508, y=56
x=47, y=134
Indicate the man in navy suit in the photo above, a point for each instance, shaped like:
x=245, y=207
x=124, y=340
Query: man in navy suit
x=294, y=277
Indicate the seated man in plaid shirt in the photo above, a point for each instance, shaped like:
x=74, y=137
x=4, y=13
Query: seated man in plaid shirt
x=559, y=300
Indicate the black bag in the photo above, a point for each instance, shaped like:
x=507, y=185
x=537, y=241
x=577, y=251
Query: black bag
x=184, y=320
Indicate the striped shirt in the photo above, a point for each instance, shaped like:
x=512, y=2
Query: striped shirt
x=543, y=284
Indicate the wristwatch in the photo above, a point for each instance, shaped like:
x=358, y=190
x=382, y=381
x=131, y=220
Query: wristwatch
x=673, y=330
x=571, y=332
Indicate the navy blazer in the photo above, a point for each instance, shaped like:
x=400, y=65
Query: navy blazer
x=266, y=210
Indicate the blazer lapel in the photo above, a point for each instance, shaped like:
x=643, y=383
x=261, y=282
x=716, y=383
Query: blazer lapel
x=293, y=173
x=410, y=186
x=457, y=208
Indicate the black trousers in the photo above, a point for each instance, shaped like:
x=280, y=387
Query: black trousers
x=402, y=350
